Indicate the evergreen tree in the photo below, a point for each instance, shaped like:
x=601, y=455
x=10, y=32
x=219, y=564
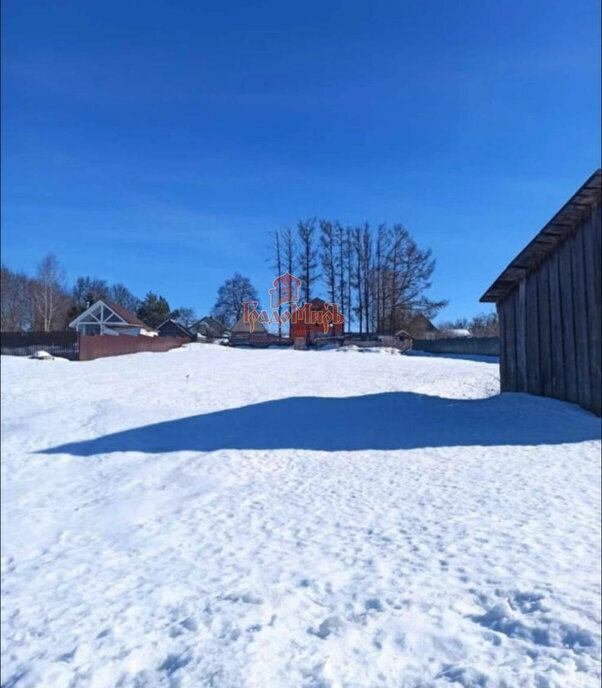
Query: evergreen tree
x=153, y=310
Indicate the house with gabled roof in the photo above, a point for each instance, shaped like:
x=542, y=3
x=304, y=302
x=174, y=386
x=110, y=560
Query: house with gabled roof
x=420, y=327
x=173, y=328
x=241, y=334
x=106, y=317
x=209, y=328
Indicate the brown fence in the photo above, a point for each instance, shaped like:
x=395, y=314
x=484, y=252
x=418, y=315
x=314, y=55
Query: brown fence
x=99, y=346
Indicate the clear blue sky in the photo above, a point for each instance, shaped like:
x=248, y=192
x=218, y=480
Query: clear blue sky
x=158, y=143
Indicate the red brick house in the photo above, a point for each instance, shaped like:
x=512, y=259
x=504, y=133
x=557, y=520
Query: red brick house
x=316, y=320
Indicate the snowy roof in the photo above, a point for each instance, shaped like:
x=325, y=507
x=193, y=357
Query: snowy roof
x=457, y=332
x=210, y=327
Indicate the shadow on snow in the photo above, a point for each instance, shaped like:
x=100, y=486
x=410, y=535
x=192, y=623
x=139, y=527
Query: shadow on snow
x=478, y=358
x=395, y=420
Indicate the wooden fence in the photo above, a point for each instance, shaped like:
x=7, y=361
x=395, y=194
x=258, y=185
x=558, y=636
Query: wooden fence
x=100, y=346
x=472, y=346
x=67, y=344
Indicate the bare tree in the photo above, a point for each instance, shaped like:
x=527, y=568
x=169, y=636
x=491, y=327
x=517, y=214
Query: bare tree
x=50, y=299
x=340, y=235
x=485, y=325
x=277, y=263
x=122, y=296
x=328, y=258
x=231, y=298
x=348, y=260
x=86, y=291
x=379, y=277
x=357, y=275
x=185, y=315
x=308, y=256
x=366, y=265
x=15, y=301
x=289, y=247
x=382, y=247
x=409, y=272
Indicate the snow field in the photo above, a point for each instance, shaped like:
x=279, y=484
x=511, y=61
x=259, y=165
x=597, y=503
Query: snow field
x=266, y=563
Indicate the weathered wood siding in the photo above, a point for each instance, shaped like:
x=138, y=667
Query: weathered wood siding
x=550, y=322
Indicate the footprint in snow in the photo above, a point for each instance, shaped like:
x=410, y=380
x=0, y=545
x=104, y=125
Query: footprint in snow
x=332, y=624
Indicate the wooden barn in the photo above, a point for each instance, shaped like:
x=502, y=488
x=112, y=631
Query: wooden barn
x=241, y=335
x=548, y=301
x=308, y=326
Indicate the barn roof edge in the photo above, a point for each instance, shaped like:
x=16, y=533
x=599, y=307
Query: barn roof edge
x=552, y=234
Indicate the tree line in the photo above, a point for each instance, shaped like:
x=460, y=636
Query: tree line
x=378, y=275
x=479, y=325
x=44, y=302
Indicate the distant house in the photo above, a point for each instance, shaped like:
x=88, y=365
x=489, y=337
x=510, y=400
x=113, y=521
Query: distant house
x=548, y=302
x=172, y=328
x=241, y=335
x=106, y=317
x=209, y=328
x=420, y=327
x=310, y=327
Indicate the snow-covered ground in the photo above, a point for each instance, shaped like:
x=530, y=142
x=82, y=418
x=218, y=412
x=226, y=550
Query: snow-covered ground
x=233, y=518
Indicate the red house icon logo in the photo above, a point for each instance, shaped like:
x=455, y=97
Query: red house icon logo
x=285, y=290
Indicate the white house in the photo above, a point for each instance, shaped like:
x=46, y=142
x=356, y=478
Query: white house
x=106, y=317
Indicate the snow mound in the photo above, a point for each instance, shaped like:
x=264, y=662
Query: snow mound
x=391, y=350
x=42, y=356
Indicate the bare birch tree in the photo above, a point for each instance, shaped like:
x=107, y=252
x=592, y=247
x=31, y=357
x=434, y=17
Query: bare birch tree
x=50, y=299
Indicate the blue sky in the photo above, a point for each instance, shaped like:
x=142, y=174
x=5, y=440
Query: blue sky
x=159, y=143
